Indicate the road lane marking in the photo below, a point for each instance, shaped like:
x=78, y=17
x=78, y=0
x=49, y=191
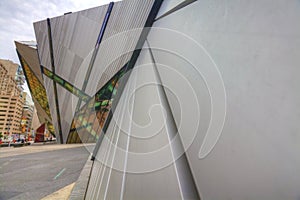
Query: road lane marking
x=60, y=173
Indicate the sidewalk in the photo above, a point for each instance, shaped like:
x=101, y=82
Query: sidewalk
x=35, y=148
x=62, y=194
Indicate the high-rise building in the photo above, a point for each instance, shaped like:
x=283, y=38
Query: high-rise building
x=185, y=99
x=11, y=101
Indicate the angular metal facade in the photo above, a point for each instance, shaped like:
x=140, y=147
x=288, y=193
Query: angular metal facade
x=29, y=60
x=69, y=47
x=207, y=109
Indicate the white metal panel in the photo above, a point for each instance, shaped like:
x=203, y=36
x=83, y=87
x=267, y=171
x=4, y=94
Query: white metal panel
x=141, y=165
x=119, y=40
x=167, y=6
x=41, y=34
x=255, y=45
x=67, y=104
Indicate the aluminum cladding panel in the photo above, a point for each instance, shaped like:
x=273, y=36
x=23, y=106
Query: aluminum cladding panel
x=129, y=163
x=255, y=45
x=31, y=56
x=51, y=100
x=41, y=35
x=120, y=38
x=67, y=104
x=74, y=37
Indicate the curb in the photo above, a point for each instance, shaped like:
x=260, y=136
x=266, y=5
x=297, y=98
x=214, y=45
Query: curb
x=78, y=192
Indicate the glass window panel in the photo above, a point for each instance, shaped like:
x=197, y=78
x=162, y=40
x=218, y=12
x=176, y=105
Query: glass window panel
x=91, y=117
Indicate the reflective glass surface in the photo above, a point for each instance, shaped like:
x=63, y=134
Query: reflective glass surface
x=36, y=88
x=89, y=120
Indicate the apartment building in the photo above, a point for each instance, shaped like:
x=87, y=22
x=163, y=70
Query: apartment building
x=11, y=101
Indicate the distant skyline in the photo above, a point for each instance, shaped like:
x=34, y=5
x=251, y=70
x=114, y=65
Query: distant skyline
x=17, y=17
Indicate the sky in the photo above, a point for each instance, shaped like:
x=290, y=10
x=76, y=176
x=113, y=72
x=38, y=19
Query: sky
x=17, y=17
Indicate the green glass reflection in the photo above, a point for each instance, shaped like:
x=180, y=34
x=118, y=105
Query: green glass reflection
x=69, y=87
x=48, y=73
x=58, y=80
x=89, y=120
x=66, y=85
x=37, y=89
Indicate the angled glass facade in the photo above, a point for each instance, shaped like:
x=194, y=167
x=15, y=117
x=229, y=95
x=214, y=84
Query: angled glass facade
x=89, y=120
x=36, y=87
x=27, y=51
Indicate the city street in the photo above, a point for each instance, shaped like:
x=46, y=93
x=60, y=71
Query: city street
x=36, y=171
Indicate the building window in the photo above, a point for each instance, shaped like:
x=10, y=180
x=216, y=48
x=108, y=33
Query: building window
x=89, y=120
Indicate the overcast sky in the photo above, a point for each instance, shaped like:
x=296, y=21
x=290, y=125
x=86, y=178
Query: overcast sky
x=17, y=17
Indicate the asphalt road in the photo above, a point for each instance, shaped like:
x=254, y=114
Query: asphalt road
x=36, y=175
